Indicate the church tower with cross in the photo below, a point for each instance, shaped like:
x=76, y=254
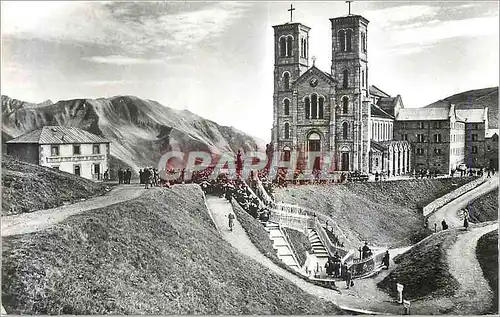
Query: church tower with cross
x=332, y=121
x=291, y=60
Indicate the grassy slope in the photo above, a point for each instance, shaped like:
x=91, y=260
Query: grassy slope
x=27, y=187
x=487, y=255
x=300, y=243
x=384, y=213
x=485, y=208
x=424, y=270
x=158, y=254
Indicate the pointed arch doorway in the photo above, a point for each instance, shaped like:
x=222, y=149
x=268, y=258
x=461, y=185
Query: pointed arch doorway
x=344, y=159
x=314, y=145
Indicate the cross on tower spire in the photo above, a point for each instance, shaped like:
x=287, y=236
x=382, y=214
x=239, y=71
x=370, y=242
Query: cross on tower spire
x=291, y=12
x=349, y=2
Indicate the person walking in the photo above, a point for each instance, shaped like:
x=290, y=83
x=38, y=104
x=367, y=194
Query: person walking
x=120, y=176
x=385, y=260
x=231, y=221
x=466, y=219
x=147, y=177
x=347, y=276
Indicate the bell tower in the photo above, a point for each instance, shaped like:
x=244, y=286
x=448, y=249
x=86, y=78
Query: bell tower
x=291, y=59
x=350, y=68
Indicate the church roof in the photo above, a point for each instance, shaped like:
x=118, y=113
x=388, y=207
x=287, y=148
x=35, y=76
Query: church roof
x=376, y=111
x=314, y=69
x=58, y=135
x=374, y=90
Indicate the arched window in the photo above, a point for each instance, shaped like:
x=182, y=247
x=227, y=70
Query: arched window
x=363, y=43
x=345, y=105
x=362, y=78
x=286, y=104
x=301, y=47
x=320, y=107
x=287, y=130
x=314, y=106
x=308, y=109
x=289, y=46
x=348, y=35
x=305, y=48
x=342, y=40
x=345, y=128
x=282, y=47
x=345, y=79
x=286, y=81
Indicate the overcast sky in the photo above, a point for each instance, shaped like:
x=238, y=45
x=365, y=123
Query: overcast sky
x=216, y=59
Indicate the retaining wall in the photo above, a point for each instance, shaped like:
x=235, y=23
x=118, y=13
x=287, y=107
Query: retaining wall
x=443, y=200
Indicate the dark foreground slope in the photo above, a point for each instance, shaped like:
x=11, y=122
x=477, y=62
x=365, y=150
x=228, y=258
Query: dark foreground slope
x=158, y=254
x=27, y=187
x=487, y=255
x=484, y=208
x=384, y=213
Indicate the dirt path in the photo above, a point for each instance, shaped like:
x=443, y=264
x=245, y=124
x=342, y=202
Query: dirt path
x=351, y=299
x=451, y=211
x=475, y=295
x=39, y=220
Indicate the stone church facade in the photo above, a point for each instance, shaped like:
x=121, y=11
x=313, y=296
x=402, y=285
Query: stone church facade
x=337, y=114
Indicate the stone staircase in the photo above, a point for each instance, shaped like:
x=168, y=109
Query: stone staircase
x=282, y=247
x=318, y=249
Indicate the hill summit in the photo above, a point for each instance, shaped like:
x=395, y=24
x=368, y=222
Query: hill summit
x=475, y=99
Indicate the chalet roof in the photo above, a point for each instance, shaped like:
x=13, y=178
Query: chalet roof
x=58, y=135
x=374, y=90
x=473, y=115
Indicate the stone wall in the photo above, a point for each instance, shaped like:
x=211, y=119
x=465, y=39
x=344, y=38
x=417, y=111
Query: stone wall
x=443, y=200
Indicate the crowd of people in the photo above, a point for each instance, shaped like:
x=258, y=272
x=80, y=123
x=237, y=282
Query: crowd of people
x=124, y=176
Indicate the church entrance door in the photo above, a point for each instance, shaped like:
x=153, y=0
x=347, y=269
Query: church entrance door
x=314, y=145
x=345, y=161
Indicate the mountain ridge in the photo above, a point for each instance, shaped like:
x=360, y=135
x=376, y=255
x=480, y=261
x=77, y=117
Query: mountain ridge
x=140, y=130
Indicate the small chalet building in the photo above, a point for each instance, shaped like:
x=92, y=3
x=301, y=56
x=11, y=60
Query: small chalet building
x=68, y=149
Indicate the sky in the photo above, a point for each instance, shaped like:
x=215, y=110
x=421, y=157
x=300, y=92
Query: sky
x=216, y=58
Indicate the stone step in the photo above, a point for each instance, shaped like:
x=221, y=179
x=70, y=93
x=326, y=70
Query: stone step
x=280, y=241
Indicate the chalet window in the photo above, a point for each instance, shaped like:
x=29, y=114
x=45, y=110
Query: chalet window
x=474, y=150
x=437, y=125
x=96, y=149
x=474, y=137
x=437, y=151
x=420, y=151
x=77, y=170
x=420, y=138
x=54, y=150
x=437, y=138
x=76, y=150
x=421, y=125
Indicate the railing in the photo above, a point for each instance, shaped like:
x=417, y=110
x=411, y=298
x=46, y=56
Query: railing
x=366, y=266
x=76, y=158
x=297, y=222
x=323, y=236
x=292, y=209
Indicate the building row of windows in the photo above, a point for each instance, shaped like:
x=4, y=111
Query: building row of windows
x=458, y=151
x=314, y=106
x=54, y=149
x=345, y=130
x=95, y=168
x=434, y=125
x=454, y=151
x=286, y=46
x=381, y=131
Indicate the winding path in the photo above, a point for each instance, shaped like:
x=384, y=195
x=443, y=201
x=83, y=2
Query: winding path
x=451, y=211
x=351, y=300
x=475, y=294
x=41, y=219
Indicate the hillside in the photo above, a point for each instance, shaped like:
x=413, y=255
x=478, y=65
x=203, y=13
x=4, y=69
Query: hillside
x=484, y=208
x=27, y=187
x=476, y=99
x=384, y=213
x=487, y=255
x=423, y=270
x=140, y=130
x=158, y=254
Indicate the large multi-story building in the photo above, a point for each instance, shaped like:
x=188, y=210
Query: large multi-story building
x=333, y=113
x=436, y=135
x=68, y=149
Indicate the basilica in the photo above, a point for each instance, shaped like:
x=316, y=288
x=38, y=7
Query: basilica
x=336, y=112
